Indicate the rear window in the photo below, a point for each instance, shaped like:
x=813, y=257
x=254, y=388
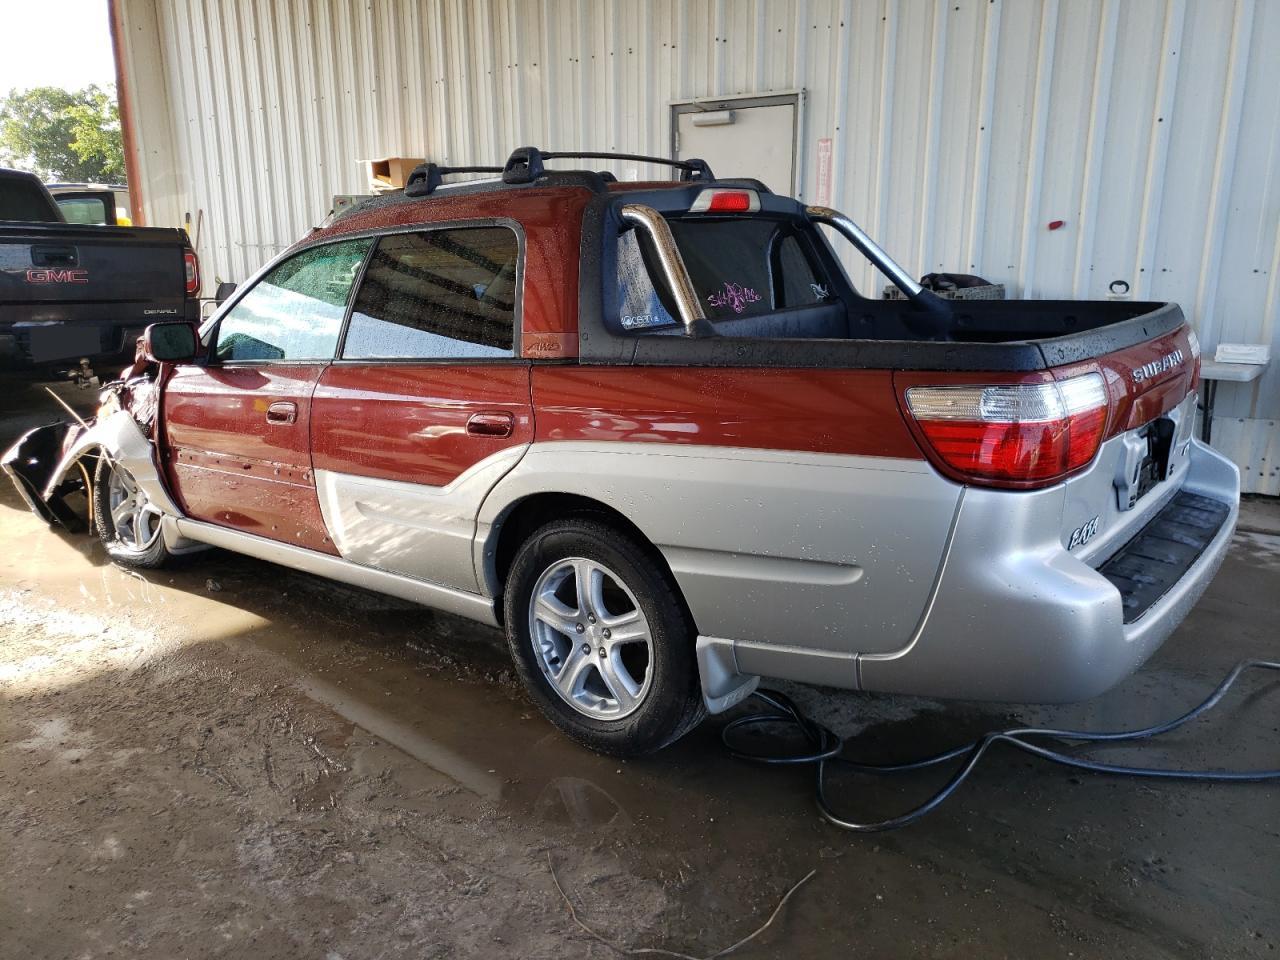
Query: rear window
x=740, y=267
x=89, y=210
x=21, y=199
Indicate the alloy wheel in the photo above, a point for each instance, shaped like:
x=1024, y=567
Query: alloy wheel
x=135, y=519
x=591, y=639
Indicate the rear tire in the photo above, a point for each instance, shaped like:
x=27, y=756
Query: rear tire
x=127, y=523
x=601, y=638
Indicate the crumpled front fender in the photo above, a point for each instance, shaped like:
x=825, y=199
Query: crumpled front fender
x=40, y=462
x=119, y=435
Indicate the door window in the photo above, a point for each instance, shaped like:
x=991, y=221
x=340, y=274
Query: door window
x=439, y=294
x=294, y=312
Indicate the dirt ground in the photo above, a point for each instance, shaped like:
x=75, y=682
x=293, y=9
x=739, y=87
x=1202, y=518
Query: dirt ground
x=228, y=759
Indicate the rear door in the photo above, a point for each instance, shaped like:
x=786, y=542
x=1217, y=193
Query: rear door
x=238, y=427
x=428, y=405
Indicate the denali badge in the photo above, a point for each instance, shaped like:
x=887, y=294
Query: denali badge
x=1083, y=534
x=1156, y=367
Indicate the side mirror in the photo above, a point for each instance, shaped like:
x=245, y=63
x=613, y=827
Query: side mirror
x=224, y=292
x=173, y=342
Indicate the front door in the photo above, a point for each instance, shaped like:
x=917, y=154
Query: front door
x=427, y=406
x=237, y=435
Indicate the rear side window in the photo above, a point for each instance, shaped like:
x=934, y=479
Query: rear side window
x=295, y=311
x=435, y=295
x=740, y=267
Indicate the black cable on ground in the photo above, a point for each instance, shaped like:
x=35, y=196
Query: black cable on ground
x=828, y=747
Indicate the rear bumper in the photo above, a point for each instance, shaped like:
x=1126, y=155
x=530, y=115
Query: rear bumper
x=1039, y=624
x=39, y=343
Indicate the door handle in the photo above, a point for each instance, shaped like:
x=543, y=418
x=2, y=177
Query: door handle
x=282, y=412
x=491, y=425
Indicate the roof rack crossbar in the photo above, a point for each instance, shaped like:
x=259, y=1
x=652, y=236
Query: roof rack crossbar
x=426, y=177
x=525, y=163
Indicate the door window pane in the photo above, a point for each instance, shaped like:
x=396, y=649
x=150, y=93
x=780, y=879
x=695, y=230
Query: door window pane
x=440, y=294
x=294, y=312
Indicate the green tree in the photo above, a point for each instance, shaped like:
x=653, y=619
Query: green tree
x=63, y=134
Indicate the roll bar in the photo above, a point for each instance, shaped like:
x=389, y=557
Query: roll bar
x=674, y=273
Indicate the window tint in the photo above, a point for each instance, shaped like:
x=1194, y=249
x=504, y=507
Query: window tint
x=294, y=312
x=437, y=294
x=740, y=267
x=639, y=305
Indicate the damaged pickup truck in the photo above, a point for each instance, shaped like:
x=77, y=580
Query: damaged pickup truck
x=654, y=432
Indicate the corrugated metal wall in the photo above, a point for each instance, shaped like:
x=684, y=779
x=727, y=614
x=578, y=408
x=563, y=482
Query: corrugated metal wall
x=959, y=128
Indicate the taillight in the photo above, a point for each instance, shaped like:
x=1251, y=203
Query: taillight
x=192, y=266
x=1027, y=434
x=723, y=200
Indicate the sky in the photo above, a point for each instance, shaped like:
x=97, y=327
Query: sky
x=55, y=43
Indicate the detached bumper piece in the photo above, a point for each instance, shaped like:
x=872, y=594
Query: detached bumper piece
x=30, y=464
x=1149, y=565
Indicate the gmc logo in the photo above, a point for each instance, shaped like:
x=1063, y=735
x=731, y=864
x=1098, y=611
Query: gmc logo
x=57, y=276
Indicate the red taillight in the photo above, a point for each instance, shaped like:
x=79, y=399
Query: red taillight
x=192, y=266
x=1018, y=434
x=722, y=200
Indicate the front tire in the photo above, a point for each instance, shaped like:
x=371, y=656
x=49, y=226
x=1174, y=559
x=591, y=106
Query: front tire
x=128, y=524
x=601, y=638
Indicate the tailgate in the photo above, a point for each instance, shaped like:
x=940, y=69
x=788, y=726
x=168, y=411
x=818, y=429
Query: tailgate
x=68, y=291
x=46, y=268
x=1144, y=458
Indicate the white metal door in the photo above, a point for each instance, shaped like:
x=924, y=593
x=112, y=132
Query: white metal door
x=742, y=142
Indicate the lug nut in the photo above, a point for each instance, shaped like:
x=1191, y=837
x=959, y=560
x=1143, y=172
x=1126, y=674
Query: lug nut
x=591, y=617
x=607, y=634
x=580, y=628
x=586, y=648
x=601, y=652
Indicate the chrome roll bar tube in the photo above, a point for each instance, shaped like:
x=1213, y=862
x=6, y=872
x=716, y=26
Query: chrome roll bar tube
x=674, y=273
x=867, y=247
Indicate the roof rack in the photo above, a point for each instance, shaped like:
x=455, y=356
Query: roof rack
x=525, y=165
x=427, y=176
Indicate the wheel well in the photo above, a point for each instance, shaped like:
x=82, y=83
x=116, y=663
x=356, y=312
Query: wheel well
x=533, y=512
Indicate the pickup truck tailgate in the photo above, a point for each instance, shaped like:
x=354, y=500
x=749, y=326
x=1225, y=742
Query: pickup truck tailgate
x=67, y=289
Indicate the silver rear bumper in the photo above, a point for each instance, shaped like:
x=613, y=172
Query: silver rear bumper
x=1014, y=615
x=1037, y=624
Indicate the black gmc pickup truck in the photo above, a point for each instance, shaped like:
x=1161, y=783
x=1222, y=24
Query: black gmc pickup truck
x=70, y=292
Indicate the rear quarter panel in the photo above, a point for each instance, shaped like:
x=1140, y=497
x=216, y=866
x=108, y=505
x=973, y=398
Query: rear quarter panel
x=792, y=506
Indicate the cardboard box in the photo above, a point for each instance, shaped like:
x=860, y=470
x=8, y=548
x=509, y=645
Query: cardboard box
x=391, y=173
